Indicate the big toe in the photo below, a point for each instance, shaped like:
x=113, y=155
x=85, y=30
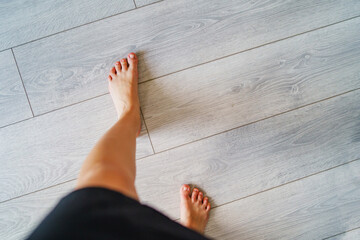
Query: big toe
x=185, y=191
x=132, y=60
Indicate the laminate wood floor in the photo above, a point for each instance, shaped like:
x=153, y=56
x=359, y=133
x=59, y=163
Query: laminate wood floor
x=257, y=103
x=168, y=36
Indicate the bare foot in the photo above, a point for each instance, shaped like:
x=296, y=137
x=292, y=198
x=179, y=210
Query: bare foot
x=194, y=209
x=123, y=87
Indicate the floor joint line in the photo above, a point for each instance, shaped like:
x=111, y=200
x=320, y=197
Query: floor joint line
x=147, y=130
x=259, y=120
x=22, y=81
x=353, y=229
x=299, y=179
x=78, y=26
x=39, y=190
x=229, y=202
x=14, y=123
x=249, y=49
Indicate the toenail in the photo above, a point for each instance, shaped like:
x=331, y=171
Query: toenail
x=132, y=56
x=185, y=188
x=117, y=63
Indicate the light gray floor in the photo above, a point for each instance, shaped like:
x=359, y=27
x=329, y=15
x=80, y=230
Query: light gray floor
x=255, y=102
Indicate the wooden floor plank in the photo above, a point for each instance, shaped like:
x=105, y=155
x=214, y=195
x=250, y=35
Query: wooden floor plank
x=141, y=3
x=50, y=149
x=168, y=36
x=351, y=235
x=211, y=98
x=23, y=21
x=14, y=105
x=312, y=208
x=229, y=166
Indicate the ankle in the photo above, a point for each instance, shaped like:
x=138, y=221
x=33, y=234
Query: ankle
x=129, y=110
x=131, y=116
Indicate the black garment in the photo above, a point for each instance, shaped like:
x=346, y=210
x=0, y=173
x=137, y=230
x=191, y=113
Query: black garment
x=99, y=213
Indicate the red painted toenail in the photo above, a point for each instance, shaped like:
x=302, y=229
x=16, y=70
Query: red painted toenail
x=117, y=63
x=132, y=55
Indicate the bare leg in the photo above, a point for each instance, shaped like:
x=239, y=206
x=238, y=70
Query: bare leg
x=111, y=163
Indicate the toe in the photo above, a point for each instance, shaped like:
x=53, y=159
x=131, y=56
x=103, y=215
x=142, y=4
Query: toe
x=185, y=191
x=113, y=72
x=207, y=207
x=132, y=59
x=205, y=202
x=109, y=78
x=124, y=64
x=117, y=66
x=200, y=197
x=194, y=194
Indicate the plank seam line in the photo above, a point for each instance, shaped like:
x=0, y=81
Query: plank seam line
x=299, y=179
x=259, y=120
x=281, y=185
x=342, y=233
x=249, y=49
x=147, y=130
x=54, y=110
x=232, y=201
x=178, y=146
x=39, y=190
x=22, y=81
x=23, y=120
x=78, y=26
x=200, y=139
x=134, y=3
x=19, y=45
x=214, y=60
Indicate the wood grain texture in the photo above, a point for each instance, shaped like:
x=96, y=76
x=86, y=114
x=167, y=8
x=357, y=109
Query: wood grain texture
x=18, y=217
x=23, y=21
x=256, y=157
x=14, y=105
x=312, y=208
x=221, y=95
x=50, y=149
x=351, y=235
x=168, y=36
x=232, y=165
x=140, y=3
